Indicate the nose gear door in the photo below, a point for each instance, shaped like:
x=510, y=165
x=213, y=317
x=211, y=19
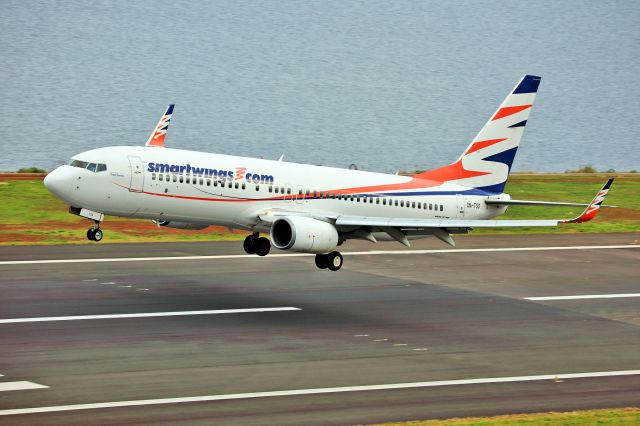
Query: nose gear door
x=137, y=174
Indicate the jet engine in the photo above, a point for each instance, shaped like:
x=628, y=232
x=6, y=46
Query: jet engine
x=303, y=234
x=180, y=225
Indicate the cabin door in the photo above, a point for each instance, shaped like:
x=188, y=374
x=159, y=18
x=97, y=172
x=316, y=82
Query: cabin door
x=137, y=174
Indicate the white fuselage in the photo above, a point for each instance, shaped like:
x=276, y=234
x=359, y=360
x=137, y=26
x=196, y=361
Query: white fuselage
x=212, y=189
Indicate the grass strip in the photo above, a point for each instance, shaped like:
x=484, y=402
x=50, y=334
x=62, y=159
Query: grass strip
x=29, y=214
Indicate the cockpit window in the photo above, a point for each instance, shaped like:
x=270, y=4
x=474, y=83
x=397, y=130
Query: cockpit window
x=78, y=163
x=93, y=167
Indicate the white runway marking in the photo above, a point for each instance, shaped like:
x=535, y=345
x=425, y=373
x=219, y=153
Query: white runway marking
x=277, y=255
x=584, y=296
x=315, y=391
x=14, y=386
x=148, y=314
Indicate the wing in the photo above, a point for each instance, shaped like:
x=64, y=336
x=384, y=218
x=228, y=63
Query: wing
x=401, y=230
x=443, y=228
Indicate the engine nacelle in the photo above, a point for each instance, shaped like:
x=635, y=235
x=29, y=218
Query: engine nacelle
x=303, y=234
x=180, y=225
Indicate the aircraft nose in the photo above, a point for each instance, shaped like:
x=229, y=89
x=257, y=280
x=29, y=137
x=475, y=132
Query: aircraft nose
x=59, y=181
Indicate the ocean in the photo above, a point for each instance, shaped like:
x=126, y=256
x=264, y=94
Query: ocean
x=401, y=85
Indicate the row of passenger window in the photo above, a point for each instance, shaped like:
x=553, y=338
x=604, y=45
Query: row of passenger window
x=305, y=194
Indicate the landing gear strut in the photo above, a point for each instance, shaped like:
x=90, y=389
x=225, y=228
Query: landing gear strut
x=255, y=244
x=332, y=260
x=95, y=233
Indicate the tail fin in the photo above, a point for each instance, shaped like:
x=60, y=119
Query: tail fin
x=486, y=163
x=159, y=133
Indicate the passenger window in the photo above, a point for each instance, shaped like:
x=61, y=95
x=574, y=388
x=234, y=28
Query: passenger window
x=188, y=179
x=229, y=184
x=244, y=185
x=270, y=188
x=430, y=206
x=396, y=203
x=300, y=192
x=413, y=204
x=257, y=187
x=289, y=191
x=401, y=203
x=160, y=177
x=208, y=182
x=357, y=198
x=236, y=185
x=441, y=207
x=168, y=178
x=175, y=178
x=276, y=189
x=153, y=176
x=215, y=182
x=307, y=193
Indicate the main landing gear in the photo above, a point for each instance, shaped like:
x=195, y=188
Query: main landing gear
x=95, y=233
x=332, y=260
x=255, y=244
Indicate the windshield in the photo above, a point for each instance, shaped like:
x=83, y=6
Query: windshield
x=93, y=167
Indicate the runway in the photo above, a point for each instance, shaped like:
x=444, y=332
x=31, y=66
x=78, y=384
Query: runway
x=193, y=333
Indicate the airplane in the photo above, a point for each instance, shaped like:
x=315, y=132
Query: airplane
x=306, y=208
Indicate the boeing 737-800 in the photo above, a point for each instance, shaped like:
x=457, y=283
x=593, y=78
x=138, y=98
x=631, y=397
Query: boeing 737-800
x=306, y=208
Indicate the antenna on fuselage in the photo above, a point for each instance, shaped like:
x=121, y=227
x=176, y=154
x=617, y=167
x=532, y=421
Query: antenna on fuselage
x=281, y=157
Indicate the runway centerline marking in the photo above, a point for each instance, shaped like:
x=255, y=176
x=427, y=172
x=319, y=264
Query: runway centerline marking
x=316, y=391
x=584, y=296
x=22, y=385
x=149, y=314
x=278, y=255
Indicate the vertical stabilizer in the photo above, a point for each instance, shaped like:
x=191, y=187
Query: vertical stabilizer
x=486, y=163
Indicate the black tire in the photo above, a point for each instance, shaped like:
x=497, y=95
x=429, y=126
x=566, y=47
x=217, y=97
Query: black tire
x=97, y=235
x=250, y=244
x=263, y=246
x=321, y=261
x=90, y=234
x=334, y=261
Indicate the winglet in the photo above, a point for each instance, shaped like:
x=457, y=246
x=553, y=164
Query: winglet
x=157, y=137
x=592, y=209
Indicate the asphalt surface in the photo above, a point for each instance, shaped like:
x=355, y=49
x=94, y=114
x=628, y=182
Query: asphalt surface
x=383, y=319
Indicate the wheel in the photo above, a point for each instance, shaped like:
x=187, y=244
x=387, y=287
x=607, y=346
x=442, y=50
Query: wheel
x=90, y=234
x=97, y=235
x=321, y=261
x=250, y=244
x=334, y=260
x=263, y=246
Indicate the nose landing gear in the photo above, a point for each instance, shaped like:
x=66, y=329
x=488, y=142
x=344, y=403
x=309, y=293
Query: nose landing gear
x=95, y=233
